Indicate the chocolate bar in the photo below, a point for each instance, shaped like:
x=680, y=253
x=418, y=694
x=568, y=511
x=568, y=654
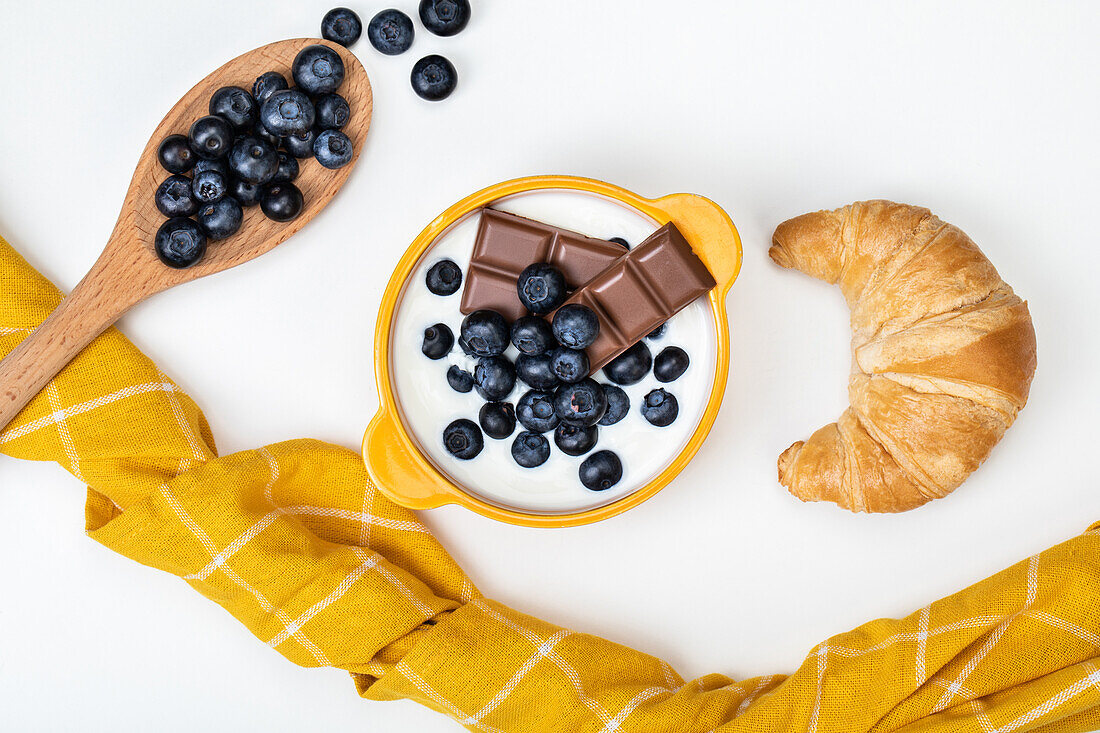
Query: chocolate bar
x=642, y=289
x=506, y=244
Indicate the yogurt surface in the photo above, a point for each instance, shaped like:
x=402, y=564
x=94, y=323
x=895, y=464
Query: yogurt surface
x=427, y=404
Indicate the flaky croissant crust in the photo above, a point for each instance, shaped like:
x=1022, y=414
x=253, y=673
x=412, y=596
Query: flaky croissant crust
x=943, y=353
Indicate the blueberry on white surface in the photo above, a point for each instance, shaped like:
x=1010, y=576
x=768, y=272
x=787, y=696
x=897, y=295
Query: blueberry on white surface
x=657, y=332
x=288, y=168
x=536, y=372
x=341, y=25
x=583, y=403
x=300, y=145
x=660, y=408
x=289, y=112
x=575, y=440
x=535, y=411
x=533, y=335
x=620, y=241
x=494, y=378
x=332, y=149
x=576, y=326
x=618, y=405
x=267, y=84
x=247, y=194
x=253, y=160
x=438, y=341
x=281, y=202
x=180, y=243
x=498, y=419
x=601, y=470
x=459, y=379
x=390, y=32
x=221, y=219
x=210, y=137
x=541, y=288
x=670, y=364
x=444, y=278
x=434, y=78
x=317, y=70
x=631, y=366
x=530, y=450
x=485, y=333
x=208, y=187
x=462, y=439
x=173, y=197
x=445, y=17
x=236, y=106
x=331, y=111
x=569, y=365
x=175, y=154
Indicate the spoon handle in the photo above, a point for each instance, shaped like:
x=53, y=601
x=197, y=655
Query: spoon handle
x=95, y=303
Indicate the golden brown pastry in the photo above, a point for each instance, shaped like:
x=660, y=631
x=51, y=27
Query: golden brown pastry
x=943, y=353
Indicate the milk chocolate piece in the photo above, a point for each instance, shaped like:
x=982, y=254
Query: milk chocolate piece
x=641, y=290
x=506, y=244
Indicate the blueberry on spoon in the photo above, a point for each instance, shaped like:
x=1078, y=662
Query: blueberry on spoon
x=211, y=137
x=221, y=219
x=332, y=149
x=236, y=106
x=173, y=197
x=175, y=154
x=317, y=70
x=281, y=202
x=180, y=243
x=267, y=84
x=332, y=111
x=253, y=160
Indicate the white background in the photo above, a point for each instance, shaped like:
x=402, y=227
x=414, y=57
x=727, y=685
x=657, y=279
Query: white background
x=985, y=112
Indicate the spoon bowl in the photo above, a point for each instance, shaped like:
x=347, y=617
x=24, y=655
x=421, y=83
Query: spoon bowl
x=129, y=271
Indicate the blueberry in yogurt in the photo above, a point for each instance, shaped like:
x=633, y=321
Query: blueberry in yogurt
x=618, y=405
x=541, y=288
x=438, y=341
x=533, y=335
x=221, y=219
x=601, y=470
x=341, y=25
x=569, y=365
x=498, y=419
x=485, y=333
x=173, y=197
x=444, y=278
x=530, y=450
x=575, y=440
x=459, y=379
x=535, y=411
x=287, y=112
x=210, y=137
x=236, y=106
x=494, y=378
x=583, y=403
x=462, y=439
x=317, y=70
x=253, y=160
x=536, y=371
x=175, y=154
x=576, y=326
x=657, y=333
x=670, y=364
x=631, y=366
x=660, y=408
x=390, y=32
x=620, y=241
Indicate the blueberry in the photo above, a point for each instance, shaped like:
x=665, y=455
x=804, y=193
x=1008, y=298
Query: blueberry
x=657, y=332
x=175, y=154
x=247, y=194
x=575, y=440
x=317, y=69
x=221, y=219
x=660, y=408
x=460, y=379
x=300, y=146
x=569, y=365
x=281, y=202
x=620, y=241
x=631, y=366
x=342, y=26
x=601, y=470
x=576, y=326
x=288, y=168
x=218, y=166
x=438, y=341
x=258, y=130
x=485, y=333
x=670, y=364
x=618, y=405
x=180, y=243
x=541, y=288
x=444, y=278
x=331, y=111
x=445, y=17
x=288, y=112
x=532, y=335
x=267, y=84
x=209, y=186
x=173, y=197
x=390, y=32
x=462, y=439
x=535, y=411
x=535, y=371
x=530, y=450
x=498, y=419
x=253, y=160
x=236, y=106
x=211, y=137
x=583, y=403
x=494, y=378
x=434, y=78
x=332, y=149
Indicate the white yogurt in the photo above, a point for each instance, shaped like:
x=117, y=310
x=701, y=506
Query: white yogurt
x=428, y=404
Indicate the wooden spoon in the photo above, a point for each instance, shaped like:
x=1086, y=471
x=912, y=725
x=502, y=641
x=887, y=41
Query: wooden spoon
x=129, y=271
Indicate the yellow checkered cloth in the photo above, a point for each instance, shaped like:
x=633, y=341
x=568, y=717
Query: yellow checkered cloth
x=296, y=543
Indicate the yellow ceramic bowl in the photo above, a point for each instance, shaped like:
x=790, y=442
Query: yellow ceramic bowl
x=397, y=465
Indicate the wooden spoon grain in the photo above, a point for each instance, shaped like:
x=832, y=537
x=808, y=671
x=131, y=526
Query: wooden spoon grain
x=128, y=271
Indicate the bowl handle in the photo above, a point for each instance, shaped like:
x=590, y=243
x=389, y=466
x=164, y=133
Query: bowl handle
x=398, y=472
x=710, y=232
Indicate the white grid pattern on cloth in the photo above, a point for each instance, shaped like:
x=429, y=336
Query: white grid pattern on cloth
x=334, y=595
x=418, y=682
x=541, y=653
x=631, y=706
x=53, y=396
x=188, y=433
x=920, y=672
x=755, y=692
x=1092, y=679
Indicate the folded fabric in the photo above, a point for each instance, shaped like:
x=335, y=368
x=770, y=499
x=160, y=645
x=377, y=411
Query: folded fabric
x=297, y=544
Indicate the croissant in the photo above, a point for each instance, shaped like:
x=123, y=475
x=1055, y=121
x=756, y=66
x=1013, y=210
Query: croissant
x=943, y=353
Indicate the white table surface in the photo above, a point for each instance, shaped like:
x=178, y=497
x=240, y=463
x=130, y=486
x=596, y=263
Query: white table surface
x=985, y=112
